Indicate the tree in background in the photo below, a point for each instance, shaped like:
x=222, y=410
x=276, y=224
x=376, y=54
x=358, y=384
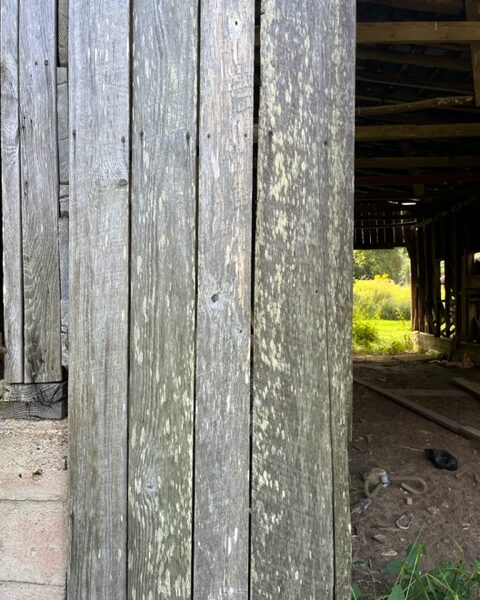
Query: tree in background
x=393, y=263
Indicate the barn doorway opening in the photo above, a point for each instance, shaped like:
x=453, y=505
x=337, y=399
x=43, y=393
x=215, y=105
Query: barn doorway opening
x=416, y=188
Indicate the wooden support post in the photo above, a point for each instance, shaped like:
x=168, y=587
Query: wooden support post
x=222, y=426
x=162, y=343
x=472, y=8
x=99, y=297
x=302, y=333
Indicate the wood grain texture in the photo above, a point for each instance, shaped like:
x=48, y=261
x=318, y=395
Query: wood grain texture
x=62, y=123
x=39, y=182
x=336, y=79
x=11, y=198
x=34, y=401
x=99, y=292
x=300, y=522
x=221, y=518
x=162, y=341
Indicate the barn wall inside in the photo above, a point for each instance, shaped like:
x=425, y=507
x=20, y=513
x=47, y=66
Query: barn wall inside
x=446, y=279
x=33, y=427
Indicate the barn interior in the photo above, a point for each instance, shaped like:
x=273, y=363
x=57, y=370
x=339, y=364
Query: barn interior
x=417, y=177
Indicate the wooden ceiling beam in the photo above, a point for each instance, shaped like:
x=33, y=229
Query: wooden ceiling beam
x=410, y=82
x=418, y=60
x=438, y=103
x=421, y=178
x=419, y=32
x=381, y=133
x=416, y=162
x=444, y=7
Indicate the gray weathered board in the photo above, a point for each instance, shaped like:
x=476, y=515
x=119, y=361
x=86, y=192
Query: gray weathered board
x=162, y=343
x=99, y=297
x=39, y=191
x=11, y=199
x=222, y=427
x=300, y=523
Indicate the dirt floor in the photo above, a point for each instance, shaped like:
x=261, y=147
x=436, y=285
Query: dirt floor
x=386, y=435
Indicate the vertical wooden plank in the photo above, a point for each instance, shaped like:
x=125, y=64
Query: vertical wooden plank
x=99, y=291
x=39, y=182
x=162, y=347
x=221, y=519
x=11, y=199
x=334, y=49
x=300, y=522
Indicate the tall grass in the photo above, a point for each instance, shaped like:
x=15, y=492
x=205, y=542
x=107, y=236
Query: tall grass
x=381, y=316
x=382, y=298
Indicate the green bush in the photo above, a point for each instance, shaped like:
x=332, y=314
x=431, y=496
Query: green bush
x=447, y=581
x=365, y=333
x=381, y=298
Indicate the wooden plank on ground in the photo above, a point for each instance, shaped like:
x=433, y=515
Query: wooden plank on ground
x=300, y=522
x=418, y=32
x=99, y=298
x=222, y=428
x=470, y=386
x=11, y=196
x=39, y=182
x=466, y=431
x=444, y=393
x=34, y=401
x=162, y=343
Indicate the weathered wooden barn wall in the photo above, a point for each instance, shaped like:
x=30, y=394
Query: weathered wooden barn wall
x=34, y=201
x=209, y=359
x=445, y=252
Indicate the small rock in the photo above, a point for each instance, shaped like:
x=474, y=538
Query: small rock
x=432, y=510
x=409, y=501
x=380, y=538
x=390, y=553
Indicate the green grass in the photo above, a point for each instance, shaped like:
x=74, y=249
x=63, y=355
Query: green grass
x=384, y=336
x=450, y=580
